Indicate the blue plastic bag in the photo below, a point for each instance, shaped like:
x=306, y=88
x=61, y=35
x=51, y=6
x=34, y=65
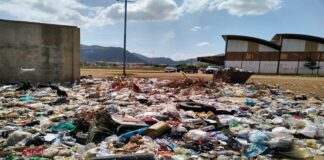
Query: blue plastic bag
x=249, y=102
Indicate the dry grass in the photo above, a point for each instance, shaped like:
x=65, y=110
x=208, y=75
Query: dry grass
x=295, y=83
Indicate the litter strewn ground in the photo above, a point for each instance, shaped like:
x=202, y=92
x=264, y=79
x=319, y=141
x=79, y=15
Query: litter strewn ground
x=158, y=119
x=300, y=84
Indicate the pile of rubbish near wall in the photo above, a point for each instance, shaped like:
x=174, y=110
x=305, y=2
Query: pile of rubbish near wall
x=232, y=75
x=158, y=119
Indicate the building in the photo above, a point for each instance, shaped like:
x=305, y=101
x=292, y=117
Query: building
x=284, y=54
x=37, y=52
x=296, y=50
x=254, y=54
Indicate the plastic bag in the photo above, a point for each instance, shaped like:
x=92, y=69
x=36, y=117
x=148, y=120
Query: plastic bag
x=26, y=98
x=195, y=135
x=32, y=152
x=298, y=153
x=127, y=135
x=64, y=126
x=50, y=152
x=44, y=123
x=281, y=143
x=249, y=102
x=112, y=108
x=309, y=131
x=16, y=137
x=255, y=149
x=258, y=137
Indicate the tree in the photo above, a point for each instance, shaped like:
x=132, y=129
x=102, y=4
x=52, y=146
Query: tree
x=311, y=64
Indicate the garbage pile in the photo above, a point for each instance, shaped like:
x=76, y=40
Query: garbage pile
x=232, y=75
x=158, y=119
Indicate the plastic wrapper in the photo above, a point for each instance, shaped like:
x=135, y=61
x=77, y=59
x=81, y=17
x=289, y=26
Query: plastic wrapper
x=195, y=135
x=298, y=153
x=309, y=131
x=16, y=137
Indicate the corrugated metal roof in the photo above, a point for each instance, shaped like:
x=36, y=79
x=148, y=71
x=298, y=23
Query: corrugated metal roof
x=298, y=36
x=218, y=59
x=252, y=39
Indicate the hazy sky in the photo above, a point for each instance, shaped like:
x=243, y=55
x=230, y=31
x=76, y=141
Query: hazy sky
x=179, y=29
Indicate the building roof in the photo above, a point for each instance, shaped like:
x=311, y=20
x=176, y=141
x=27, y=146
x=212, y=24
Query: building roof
x=218, y=59
x=252, y=39
x=277, y=37
x=37, y=23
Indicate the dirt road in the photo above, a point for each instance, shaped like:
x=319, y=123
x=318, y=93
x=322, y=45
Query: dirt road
x=295, y=83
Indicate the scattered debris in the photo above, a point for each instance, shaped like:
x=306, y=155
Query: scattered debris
x=159, y=119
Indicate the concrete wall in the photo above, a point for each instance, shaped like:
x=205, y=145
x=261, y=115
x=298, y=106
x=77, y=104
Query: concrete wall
x=268, y=66
x=288, y=67
x=38, y=52
x=263, y=48
x=304, y=70
x=321, y=70
x=235, y=64
x=320, y=47
x=251, y=66
x=261, y=58
x=293, y=45
x=237, y=46
x=254, y=63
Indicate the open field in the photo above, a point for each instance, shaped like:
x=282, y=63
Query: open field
x=294, y=83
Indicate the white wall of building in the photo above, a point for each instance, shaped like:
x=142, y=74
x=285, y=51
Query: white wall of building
x=251, y=66
x=237, y=46
x=268, y=66
x=293, y=45
x=304, y=70
x=320, y=47
x=321, y=70
x=235, y=64
x=288, y=67
x=264, y=48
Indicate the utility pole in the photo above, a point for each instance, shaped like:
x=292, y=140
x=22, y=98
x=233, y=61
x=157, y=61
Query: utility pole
x=125, y=27
x=125, y=30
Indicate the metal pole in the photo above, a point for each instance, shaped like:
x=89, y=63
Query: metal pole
x=125, y=25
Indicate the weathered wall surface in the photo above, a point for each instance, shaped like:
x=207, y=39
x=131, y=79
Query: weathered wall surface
x=251, y=56
x=37, y=52
x=260, y=58
x=268, y=67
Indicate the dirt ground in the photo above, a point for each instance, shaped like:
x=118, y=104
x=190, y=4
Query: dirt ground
x=295, y=83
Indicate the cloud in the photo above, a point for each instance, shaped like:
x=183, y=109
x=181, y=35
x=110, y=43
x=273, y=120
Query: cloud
x=144, y=10
x=58, y=11
x=199, y=28
x=73, y=12
x=179, y=56
x=192, y=6
x=167, y=37
x=203, y=44
x=196, y=28
x=234, y=7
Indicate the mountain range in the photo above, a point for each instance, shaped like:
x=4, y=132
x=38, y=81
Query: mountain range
x=97, y=53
